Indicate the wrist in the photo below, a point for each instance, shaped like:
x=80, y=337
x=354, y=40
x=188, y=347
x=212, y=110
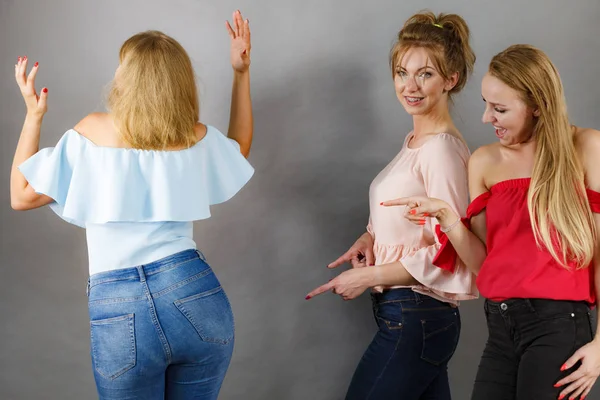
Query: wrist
x=372, y=276
x=446, y=217
x=241, y=74
x=33, y=118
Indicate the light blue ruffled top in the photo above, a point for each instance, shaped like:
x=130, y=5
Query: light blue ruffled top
x=137, y=205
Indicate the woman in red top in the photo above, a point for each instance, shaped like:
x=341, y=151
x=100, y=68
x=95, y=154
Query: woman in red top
x=530, y=235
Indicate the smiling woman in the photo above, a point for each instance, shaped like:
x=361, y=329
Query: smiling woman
x=415, y=298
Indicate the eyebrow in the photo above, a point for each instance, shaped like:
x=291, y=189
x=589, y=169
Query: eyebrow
x=495, y=104
x=425, y=67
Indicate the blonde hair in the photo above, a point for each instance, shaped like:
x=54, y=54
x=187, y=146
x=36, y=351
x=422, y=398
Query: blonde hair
x=558, y=208
x=446, y=39
x=153, y=98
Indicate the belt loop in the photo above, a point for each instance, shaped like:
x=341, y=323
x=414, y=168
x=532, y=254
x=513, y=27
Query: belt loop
x=201, y=255
x=141, y=273
x=87, y=288
x=418, y=298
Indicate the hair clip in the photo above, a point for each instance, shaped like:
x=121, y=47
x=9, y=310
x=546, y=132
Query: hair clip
x=438, y=25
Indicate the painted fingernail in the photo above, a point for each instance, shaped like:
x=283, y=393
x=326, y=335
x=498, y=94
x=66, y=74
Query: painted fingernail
x=562, y=396
x=36, y=64
x=413, y=212
x=426, y=214
x=564, y=366
x=45, y=90
x=19, y=59
x=24, y=57
x=381, y=203
x=556, y=385
x=307, y=297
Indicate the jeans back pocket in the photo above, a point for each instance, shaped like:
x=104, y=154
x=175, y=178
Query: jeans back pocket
x=210, y=314
x=440, y=337
x=113, y=345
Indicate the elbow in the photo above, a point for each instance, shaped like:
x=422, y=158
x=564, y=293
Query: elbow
x=18, y=205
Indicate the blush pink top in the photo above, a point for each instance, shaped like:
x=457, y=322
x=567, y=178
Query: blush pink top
x=437, y=169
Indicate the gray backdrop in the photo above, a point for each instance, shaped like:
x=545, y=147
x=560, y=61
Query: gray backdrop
x=326, y=121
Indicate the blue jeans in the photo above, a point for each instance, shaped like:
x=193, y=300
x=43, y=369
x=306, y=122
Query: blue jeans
x=160, y=331
x=408, y=357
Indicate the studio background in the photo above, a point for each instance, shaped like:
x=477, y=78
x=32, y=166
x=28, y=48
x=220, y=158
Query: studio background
x=326, y=122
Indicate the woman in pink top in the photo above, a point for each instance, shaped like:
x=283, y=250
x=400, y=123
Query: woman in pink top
x=415, y=298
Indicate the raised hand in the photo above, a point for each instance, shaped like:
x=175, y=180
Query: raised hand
x=36, y=104
x=240, y=42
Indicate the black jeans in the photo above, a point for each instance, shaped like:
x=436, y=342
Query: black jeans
x=408, y=357
x=529, y=340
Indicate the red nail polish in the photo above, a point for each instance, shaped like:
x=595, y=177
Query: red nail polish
x=45, y=90
x=563, y=367
x=556, y=385
x=307, y=297
x=562, y=396
x=413, y=212
x=36, y=64
x=381, y=203
x=24, y=57
x=426, y=214
x=19, y=59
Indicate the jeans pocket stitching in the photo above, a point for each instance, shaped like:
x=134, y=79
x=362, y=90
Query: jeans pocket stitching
x=430, y=335
x=180, y=304
x=132, y=359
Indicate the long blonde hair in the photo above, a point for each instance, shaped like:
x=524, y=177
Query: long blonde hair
x=446, y=39
x=558, y=209
x=153, y=98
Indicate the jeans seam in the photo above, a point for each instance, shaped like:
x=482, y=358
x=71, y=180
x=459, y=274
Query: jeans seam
x=182, y=283
x=385, y=366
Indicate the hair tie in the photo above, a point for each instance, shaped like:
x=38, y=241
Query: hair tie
x=438, y=25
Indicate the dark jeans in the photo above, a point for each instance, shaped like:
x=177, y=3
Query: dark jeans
x=408, y=356
x=529, y=340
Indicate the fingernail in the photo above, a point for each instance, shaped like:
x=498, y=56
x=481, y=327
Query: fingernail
x=307, y=297
x=421, y=222
x=562, y=396
x=556, y=385
x=45, y=90
x=36, y=64
x=371, y=265
x=413, y=212
x=426, y=214
x=19, y=59
x=563, y=367
x=381, y=203
x=24, y=57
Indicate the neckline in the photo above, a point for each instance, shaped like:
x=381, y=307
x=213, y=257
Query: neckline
x=128, y=149
x=519, y=183
x=431, y=137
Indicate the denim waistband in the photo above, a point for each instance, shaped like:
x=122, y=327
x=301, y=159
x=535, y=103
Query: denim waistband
x=404, y=295
x=516, y=305
x=140, y=272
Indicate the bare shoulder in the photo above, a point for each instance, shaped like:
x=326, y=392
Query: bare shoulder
x=99, y=128
x=587, y=141
x=200, y=129
x=485, y=156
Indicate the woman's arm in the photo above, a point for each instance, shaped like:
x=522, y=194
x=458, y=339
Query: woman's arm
x=22, y=195
x=240, y=118
x=581, y=381
x=468, y=244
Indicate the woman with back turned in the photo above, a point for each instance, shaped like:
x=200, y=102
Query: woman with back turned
x=135, y=178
